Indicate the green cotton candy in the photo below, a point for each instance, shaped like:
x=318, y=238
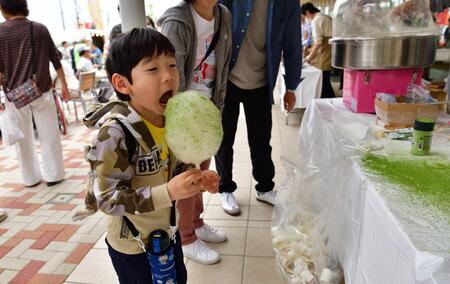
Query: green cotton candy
x=193, y=127
x=427, y=178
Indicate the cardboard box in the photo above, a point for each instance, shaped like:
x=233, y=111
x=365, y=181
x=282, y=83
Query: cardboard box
x=402, y=115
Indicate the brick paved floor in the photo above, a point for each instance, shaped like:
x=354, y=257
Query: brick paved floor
x=39, y=243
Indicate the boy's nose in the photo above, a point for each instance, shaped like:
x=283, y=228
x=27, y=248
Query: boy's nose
x=169, y=77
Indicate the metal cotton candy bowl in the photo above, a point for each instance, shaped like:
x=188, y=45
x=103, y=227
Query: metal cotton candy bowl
x=378, y=34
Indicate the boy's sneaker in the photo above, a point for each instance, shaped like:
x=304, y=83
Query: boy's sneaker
x=3, y=214
x=199, y=252
x=266, y=197
x=209, y=234
x=229, y=204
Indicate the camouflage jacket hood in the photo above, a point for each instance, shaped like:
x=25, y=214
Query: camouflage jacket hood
x=119, y=110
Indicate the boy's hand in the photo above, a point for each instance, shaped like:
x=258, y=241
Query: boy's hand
x=210, y=181
x=185, y=185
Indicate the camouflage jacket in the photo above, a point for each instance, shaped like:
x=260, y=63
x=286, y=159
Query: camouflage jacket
x=135, y=188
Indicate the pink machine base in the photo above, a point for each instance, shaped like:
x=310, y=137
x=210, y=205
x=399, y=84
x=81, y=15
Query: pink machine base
x=360, y=87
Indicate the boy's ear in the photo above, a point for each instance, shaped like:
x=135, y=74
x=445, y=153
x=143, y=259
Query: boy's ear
x=121, y=83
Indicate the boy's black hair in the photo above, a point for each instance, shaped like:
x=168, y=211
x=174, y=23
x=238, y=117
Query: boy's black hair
x=83, y=52
x=15, y=7
x=189, y=1
x=128, y=49
x=309, y=7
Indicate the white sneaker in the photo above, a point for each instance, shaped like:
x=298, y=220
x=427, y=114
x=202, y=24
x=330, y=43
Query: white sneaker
x=198, y=251
x=267, y=197
x=209, y=234
x=3, y=214
x=229, y=204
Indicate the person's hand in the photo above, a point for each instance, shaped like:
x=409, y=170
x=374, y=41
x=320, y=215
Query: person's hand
x=65, y=93
x=210, y=181
x=289, y=101
x=186, y=184
x=308, y=59
x=2, y=108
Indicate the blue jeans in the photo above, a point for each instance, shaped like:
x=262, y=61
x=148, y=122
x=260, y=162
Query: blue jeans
x=135, y=268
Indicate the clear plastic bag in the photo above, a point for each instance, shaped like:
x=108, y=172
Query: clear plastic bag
x=9, y=118
x=379, y=18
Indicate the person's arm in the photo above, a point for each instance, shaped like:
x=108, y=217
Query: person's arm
x=177, y=34
x=56, y=61
x=314, y=51
x=318, y=35
x=64, y=88
x=292, y=54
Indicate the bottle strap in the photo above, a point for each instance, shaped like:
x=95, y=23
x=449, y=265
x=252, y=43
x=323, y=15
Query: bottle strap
x=137, y=236
x=213, y=41
x=33, y=61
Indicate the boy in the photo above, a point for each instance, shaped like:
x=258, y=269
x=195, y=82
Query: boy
x=141, y=67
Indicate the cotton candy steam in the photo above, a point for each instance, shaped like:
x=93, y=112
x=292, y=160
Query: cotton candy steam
x=193, y=127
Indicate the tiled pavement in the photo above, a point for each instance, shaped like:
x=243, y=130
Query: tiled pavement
x=39, y=243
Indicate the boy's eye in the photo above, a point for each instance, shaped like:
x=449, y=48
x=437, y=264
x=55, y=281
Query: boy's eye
x=152, y=69
x=172, y=65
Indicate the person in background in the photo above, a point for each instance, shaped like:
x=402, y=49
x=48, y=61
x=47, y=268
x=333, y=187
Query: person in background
x=85, y=63
x=15, y=69
x=72, y=56
x=191, y=27
x=65, y=51
x=96, y=55
x=320, y=53
x=78, y=47
x=262, y=32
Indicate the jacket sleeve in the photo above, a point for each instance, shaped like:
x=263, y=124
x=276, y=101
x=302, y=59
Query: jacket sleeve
x=223, y=88
x=177, y=33
x=108, y=157
x=292, y=47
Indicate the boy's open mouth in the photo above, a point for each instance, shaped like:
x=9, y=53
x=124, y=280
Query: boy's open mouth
x=165, y=97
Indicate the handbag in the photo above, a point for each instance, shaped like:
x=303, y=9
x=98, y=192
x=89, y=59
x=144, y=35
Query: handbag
x=26, y=92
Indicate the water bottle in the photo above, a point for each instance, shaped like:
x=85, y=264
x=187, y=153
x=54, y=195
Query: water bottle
x=161, y=257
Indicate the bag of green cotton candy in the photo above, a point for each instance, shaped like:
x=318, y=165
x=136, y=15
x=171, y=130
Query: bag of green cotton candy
x=193, y=127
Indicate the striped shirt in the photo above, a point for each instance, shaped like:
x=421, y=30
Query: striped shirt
x=15, y=54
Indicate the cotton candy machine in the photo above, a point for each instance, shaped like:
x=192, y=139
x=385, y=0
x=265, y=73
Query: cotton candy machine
x=382, y=45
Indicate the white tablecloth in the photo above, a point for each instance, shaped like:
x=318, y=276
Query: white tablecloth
x=310, y=88
x=375, y=238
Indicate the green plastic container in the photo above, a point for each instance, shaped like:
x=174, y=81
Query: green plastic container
x=423, y=133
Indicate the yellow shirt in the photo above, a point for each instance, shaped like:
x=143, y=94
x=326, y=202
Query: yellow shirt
x=158, y=135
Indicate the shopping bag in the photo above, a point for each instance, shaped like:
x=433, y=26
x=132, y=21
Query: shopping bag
x=9, y=125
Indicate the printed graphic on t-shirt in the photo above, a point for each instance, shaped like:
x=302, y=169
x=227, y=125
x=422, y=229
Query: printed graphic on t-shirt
x=150, y=164
x=203, y=78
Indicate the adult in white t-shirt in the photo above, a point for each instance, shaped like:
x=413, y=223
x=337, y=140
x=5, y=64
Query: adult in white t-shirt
x=191, y=26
